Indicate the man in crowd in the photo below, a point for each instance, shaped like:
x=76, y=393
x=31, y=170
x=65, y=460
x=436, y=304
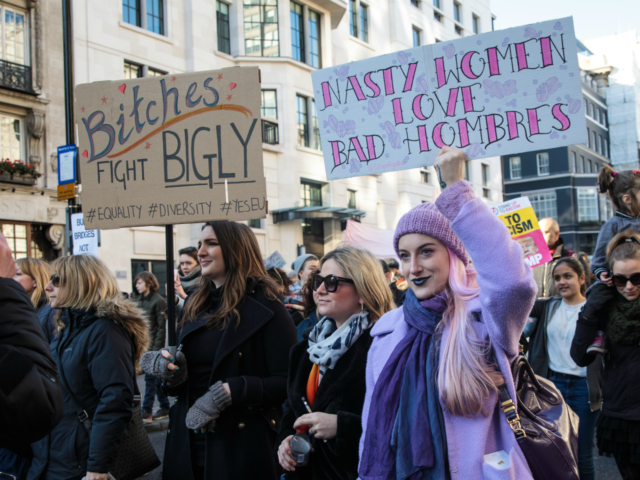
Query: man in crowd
x=543, y=274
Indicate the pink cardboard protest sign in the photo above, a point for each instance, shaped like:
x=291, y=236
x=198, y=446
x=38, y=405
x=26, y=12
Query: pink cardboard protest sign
x=497, y=93
x=519, y=217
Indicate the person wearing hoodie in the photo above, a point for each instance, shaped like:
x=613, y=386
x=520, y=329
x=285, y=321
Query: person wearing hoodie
x=431, y=409
x=102, y=339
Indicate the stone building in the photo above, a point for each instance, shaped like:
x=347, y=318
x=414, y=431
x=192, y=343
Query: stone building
x=288, y=40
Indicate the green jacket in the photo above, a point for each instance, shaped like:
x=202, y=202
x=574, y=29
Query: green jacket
x=154, y=306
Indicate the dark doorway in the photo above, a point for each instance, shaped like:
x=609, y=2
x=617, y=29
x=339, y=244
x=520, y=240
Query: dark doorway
x=313, y=237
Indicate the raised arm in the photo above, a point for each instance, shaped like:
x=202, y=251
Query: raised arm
x=507, y=288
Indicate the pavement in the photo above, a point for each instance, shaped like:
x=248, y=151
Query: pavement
x=605, y=467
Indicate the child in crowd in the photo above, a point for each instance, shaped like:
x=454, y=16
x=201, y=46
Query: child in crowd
x=623, y=189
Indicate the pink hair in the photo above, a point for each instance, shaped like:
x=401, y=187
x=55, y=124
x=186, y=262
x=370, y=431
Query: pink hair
x=465, y=377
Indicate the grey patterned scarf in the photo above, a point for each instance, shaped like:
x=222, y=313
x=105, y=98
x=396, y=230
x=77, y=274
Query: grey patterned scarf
x=327, y=345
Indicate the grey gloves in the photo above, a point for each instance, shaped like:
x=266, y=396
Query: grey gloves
x=153, y=363
x=206, y=410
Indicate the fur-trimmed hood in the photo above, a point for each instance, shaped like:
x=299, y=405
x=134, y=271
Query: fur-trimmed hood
x=133, y=319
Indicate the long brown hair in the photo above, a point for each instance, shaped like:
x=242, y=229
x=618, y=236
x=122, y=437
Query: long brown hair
x=242, y=259
x=575, y=265
x=150, y=280
x=619, y=184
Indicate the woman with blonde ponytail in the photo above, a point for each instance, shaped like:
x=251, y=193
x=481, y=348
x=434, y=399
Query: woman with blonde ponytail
x=431, y=408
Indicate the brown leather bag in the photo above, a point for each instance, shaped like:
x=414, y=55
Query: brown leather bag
x=546, y=428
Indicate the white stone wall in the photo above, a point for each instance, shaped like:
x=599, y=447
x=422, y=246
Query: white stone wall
x=104, y=42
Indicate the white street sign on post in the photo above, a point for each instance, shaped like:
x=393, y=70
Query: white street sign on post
x=84, y=241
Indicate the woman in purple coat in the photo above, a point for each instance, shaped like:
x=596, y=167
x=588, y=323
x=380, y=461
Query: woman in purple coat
x=431, y=409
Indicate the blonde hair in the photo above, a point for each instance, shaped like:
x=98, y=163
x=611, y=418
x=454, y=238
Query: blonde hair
x=39, y=271
x=365, y=270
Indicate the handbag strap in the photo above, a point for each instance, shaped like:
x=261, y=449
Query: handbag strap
x=508, y=406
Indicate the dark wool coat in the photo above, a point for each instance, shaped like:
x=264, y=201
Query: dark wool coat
x=253, y=358
x=154, y=306
x=341, y=392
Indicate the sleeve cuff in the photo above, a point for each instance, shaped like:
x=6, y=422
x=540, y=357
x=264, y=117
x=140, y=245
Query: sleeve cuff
x=453, y=198
x=236, y=387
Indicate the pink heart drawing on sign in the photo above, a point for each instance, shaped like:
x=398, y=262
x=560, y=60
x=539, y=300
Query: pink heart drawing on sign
x=232, y=85
x=122, y=87
x=85, y=154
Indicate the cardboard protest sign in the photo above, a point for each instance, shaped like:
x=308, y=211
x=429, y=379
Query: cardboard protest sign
x=497, y=93
x=84, y=241
x=173, y=149
x=521, y=220
x=274, y=260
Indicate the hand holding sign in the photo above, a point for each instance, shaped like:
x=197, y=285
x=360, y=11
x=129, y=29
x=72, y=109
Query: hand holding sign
x=450, y=165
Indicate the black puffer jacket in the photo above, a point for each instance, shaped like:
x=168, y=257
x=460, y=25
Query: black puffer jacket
x=30, y=395
x=96, y=351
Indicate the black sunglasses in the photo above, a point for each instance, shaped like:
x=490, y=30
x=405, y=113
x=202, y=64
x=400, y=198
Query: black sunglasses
x=187, y=249
x=621, y=280
x=55, y=280
x=330, y=282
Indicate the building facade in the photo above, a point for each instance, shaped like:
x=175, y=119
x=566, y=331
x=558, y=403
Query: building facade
x=561, y=182
x=31, y=126
x=287, y=40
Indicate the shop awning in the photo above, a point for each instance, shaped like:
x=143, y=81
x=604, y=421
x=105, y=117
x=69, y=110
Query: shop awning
x=317, y=213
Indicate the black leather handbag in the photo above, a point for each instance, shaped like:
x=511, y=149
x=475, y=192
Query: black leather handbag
x=546, y=428
x=136, y=456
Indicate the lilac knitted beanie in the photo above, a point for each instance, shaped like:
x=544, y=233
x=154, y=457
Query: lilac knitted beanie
x=427, y=219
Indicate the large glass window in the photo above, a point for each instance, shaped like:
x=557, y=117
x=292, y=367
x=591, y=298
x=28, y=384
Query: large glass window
x=364, y=23
x=543, y=163
x=457, y=16
x=269, y=106
x=297, y=32
x=587, y=204
x=353, y=18
x=475, y=20
x=594, y=143
x=131, y=70
x=155, y=16
x=351, y=201
x=416, y=37
x=14, y=38
x=261, y=28
x=303, y=121
x=131, y=12
x=544, y=204
x=573, y=166
x=516, y=167
x=11, y=138
x=224, y=35
x=314, y=40
x=315, y=128
x=605, y=148
x=311, y=194
x=17, y=238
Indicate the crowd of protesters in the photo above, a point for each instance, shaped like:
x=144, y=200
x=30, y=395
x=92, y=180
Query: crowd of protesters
x=346, y=367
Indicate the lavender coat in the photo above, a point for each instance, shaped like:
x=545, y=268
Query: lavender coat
x=507, y=294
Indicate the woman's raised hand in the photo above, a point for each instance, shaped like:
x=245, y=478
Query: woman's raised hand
x=450, y=162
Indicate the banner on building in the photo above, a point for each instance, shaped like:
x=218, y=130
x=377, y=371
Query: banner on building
x=521, y=220
x=171, y=149
x=84, y=241
x=497, y=93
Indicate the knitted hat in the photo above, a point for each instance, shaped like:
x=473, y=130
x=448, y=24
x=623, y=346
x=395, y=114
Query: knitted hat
x=298, y=263
x=427, y=219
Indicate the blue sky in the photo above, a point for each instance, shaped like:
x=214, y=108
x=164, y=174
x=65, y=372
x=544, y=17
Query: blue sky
x=592, y=18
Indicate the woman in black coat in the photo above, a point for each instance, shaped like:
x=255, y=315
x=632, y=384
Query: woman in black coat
x=230, y=373
x=328, y=369
x=616, y=311
x=103, y=338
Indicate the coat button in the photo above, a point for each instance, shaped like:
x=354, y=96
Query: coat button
x=241, y=426
x=273, y=422
x=240, y=354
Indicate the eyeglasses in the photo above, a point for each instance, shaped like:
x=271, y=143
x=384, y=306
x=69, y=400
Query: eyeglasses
x=621, y=280
x=55, y=280
x=187, y=249
x=330, y=282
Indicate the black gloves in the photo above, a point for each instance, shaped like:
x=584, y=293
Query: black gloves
x=599, y=295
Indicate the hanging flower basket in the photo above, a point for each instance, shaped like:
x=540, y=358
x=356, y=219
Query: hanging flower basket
x=18, y=172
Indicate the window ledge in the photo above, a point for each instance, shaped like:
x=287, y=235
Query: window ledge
x=226, y=56
x=133, y=28
x=309, y=150
x=273, y=148
x=361, y=42
x=288, y=60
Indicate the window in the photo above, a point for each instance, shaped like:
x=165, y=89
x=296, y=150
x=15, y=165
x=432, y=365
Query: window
x=456, y=12
x=467, y=173
x=544, y=204
x=515, y=167
x=315, y=128
x=255, y=223
x=458, y=29
x=594, y=145
x=17, y=238
x=582, y=164
x=573, y=165
x=152, y=72
x=437, y=15
x=269, y=109
x=364, y=23
x=587, y=205
x=222, y=19
x=311, y=194
x=475, y=22
x=591, y=111
x=351, y=202
x=131, y=70
x=436, y=3
x=606, y=209
x=261, y=28
x=600, y=146
x=297, y=32
x=588, y=138
x=303, y=120
x=131, y=12
x=486, y=193
x=416, y=37
x=425, y=177
x=353, y=18
x=603, y=118
x=588, y=166
x=543, y=163
x=314, y=40
x=11, y=138
x=493, y=23
x=605, y=148
x=14, y=38
x=415, y=3
x=155, y=16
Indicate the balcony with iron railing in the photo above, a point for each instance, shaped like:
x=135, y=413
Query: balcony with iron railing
x=270, y=132
x=14, y=76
